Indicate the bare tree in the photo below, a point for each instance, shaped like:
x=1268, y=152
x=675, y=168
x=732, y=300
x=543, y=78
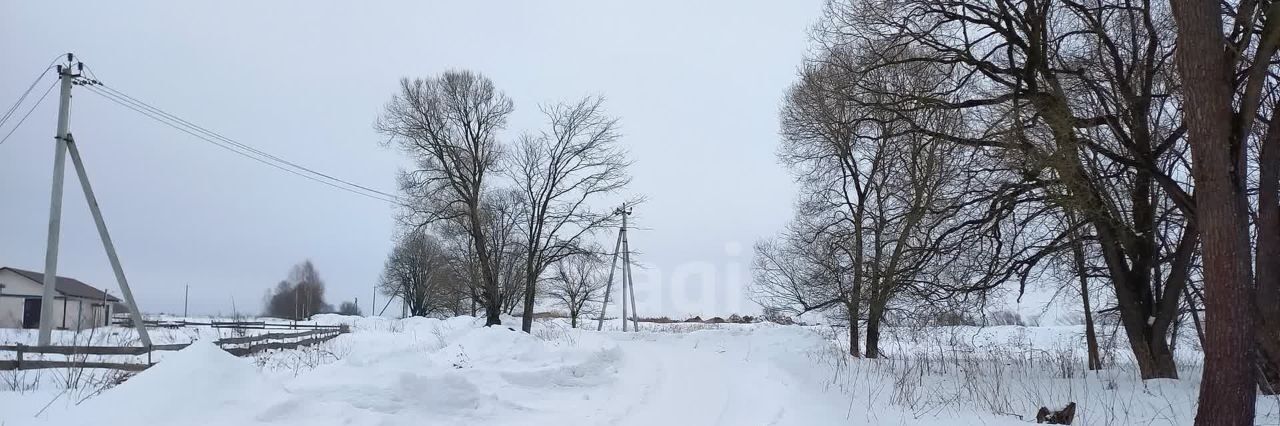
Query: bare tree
x=558, y=172
x=418, y=272
x=448, y=124
x=879, y=206
x=795, y=274
x=577, y=284
x=1074, y=99
x=300, y=296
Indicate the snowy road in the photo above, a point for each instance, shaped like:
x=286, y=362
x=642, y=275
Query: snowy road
x=451, y=372
x=705, y=382
x=454, y=372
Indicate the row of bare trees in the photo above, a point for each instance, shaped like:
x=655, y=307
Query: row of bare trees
x=490, y=223
x=947, y=147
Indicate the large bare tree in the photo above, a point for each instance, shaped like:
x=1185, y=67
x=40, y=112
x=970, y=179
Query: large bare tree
x=880, y=204
x=558, y=173
x=448, y=125
x=1077, y=98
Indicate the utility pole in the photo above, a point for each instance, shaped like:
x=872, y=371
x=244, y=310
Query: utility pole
x=621, y=249
x=66, y=76
x=630, y=286
x=186, y=295
x=64, y=144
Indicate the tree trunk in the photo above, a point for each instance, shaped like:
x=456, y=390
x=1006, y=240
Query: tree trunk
x=1145, y=316
x=852, y=308
x=875, y=310
x=530, y=289
x=1228, y=388
x=1090, y=334
x=1195, y=314
x=1268, y=258
x=1150, y=350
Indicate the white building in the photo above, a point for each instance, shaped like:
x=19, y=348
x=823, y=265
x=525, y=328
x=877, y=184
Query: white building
x=76, y=304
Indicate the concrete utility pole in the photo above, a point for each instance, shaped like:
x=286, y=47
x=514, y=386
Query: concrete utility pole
x=186, y=296
x=65, y=75
x=621, y=249
x=604, y=307
x=134, y=313
x=64, y=143
x=630, y=287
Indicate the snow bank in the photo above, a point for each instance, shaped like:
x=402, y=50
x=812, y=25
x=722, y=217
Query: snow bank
x=454, y=371
x=191, y=386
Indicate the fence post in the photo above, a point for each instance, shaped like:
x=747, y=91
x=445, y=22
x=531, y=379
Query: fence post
x=149, y=355
x=19, y=359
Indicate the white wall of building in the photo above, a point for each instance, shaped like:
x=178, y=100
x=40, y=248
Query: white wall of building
x=71, y=313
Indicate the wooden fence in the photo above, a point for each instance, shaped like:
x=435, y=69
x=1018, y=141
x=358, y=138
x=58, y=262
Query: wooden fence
x=244, y=325
x=238, y=346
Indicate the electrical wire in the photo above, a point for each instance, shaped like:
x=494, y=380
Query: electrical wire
x=234, y=146
x=236, y=143
x=13, y=108
x=28, y=114
x=238, y=147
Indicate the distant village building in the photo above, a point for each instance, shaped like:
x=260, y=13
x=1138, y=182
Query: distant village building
x=76, y=305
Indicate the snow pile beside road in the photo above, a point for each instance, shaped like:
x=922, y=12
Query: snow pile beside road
x=387, y=372
x=188, y=387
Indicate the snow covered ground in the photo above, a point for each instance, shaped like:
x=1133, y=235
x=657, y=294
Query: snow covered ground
x=427, y=371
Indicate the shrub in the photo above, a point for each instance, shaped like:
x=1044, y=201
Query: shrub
x=776, y=316
x=349, y=308
x=954, y=318
x=1005, y=318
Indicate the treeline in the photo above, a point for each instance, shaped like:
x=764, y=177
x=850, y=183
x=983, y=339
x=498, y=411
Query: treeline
x=301, y=295
x=948, y=149
x=493, y=226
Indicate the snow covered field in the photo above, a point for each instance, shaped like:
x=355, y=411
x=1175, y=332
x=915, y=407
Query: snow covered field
x=427, y=371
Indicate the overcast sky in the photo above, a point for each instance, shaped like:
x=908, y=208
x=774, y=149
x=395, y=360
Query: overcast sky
x=696, y=85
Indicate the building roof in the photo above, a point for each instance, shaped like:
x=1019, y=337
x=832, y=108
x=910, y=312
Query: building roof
x=67, y=286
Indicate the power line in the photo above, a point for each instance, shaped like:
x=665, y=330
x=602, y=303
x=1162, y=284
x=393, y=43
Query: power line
x=242, y=145
x=240, y=148
x=125, y=98
x=172, y=120
x=13, y=108
x=28, y=114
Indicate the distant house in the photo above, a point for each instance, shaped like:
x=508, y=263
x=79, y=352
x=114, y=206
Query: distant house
x=76, y=305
